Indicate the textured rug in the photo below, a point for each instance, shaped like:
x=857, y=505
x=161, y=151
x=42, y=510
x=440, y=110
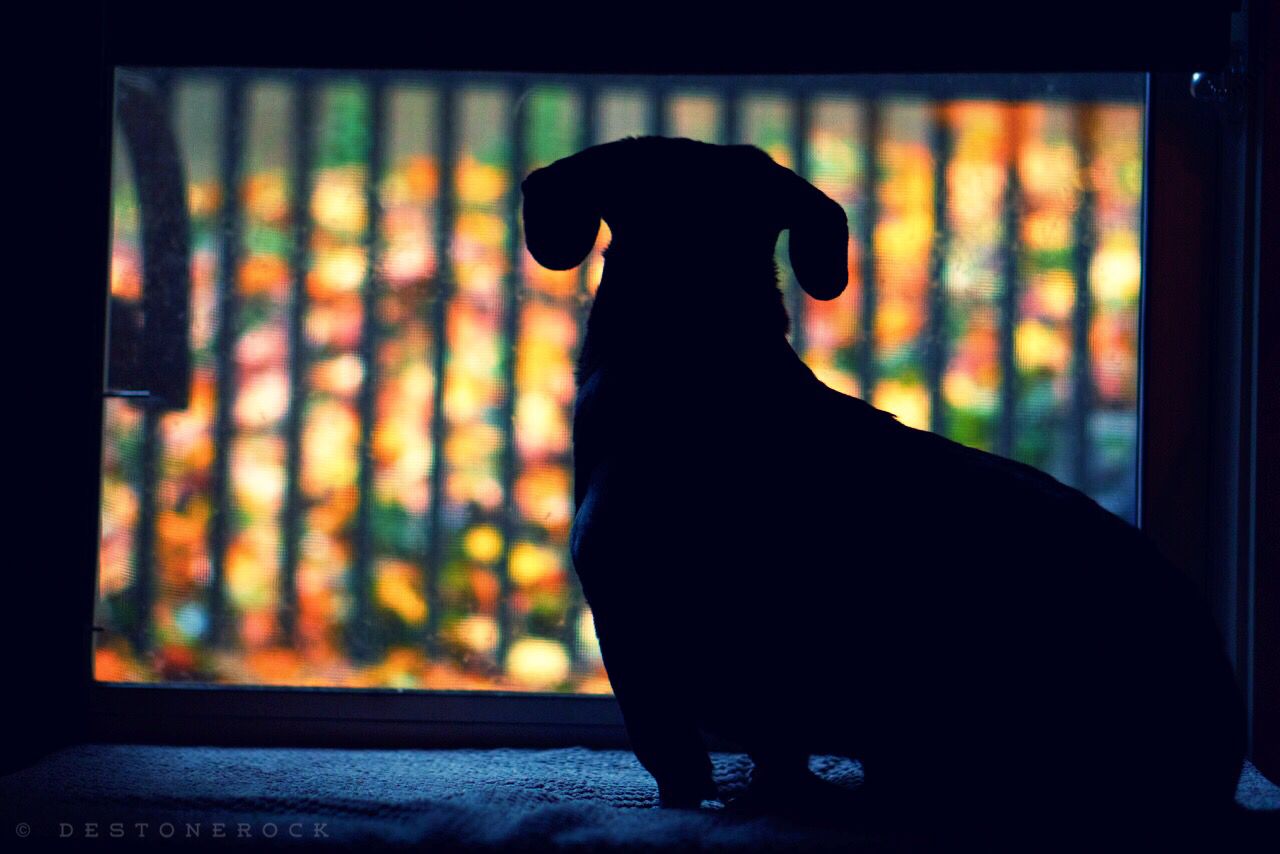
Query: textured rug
x=220, y=798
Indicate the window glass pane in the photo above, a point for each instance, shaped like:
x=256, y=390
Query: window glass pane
x=370, y=481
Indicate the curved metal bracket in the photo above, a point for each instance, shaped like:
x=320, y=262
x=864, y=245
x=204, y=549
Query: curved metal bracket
x=157, y=367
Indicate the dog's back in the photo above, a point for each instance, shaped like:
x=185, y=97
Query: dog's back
x=796, y=570
x=1029, y=642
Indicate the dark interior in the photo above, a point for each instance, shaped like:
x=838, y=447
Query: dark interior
x=264, y=768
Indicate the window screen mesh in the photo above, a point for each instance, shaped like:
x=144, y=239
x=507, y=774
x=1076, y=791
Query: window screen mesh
x=370, y=484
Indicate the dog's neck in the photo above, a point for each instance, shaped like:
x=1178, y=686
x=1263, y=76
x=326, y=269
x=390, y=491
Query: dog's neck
x=672, y=325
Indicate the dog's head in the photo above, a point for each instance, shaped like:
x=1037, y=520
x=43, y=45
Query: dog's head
x=677, y=202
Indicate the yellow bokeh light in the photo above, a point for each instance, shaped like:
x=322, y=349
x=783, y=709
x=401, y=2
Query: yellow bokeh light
x=251, y=567
x=422, y=175
x=266, y=197
x=554, y=283
x=1047, y=230
x=479, y=183
x=1115, y=273
x=1039, y=346
x=829, y=374
x=1047, y=170
x=126, y=274
x=407, y=260
x=541, y=428
x=477, y=633
x=963, y=391
x=910, y=402
x=474, y=447
x=975, y=189
x=329, y=448
x=339, y=270
x=203, y=198
x=119, y=508
x=398, y=589
x=898, y=322
x=263, y=400
x=257, y=473
x=905, y=239
x=341, y=375
x=1056, y=294
x=544, y=497
x=533, y=564
x=484, y=543
x=114, y=572
x=587, y=639
x=537, y=663
x=338, y=201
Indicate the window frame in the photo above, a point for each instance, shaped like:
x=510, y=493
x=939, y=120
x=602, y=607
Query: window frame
x=1177, y=342
x=1197, y=430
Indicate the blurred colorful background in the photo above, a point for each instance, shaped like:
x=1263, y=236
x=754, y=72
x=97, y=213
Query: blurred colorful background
x=371, y=482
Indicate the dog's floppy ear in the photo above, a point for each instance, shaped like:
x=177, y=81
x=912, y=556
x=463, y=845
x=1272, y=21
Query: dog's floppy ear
x=819, y=237
x=561, y=211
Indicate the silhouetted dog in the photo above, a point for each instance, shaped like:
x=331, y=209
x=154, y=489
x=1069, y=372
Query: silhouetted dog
x=794, y=570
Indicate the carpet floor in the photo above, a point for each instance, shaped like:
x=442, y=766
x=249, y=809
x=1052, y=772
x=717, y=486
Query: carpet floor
x=223, y=798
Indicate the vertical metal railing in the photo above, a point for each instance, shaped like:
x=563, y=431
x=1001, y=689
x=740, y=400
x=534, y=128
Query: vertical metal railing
x=150, y=451
x=588, y=135
x=870, y=215
x=935, y=341
x=230, y=229
x=1009, y=293
x=292, y=515
x=513, y=299
x=799, y=143
x=359, y=639
x=660, y=110
x=364, y=644
x=143, y=590
x=1082, y=393
x=438, y=303
x=729, y=131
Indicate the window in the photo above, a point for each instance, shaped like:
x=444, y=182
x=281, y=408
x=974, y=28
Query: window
x=368, y=483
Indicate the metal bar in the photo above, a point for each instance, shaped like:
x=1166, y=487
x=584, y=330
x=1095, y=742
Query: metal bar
x=362, y=644
x=512, y=304
x=729, y=131
x=142, y=591
x=1082, y=392
x=866, y=355
x=299, y=358
x=589, y=100
x=230, y=227
x=935, y=343
x=660, y=109
x=801, y=119
x=1005, y=432
x=438, y=306
x=144, y=113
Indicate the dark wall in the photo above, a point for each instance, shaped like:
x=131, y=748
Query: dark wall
x=1266, y=644
x=58, y=186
